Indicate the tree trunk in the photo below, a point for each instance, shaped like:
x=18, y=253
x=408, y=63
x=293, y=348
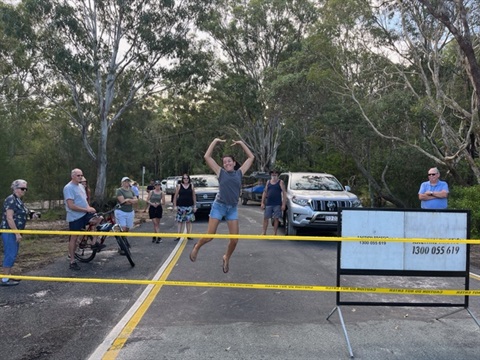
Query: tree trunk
x=102, y=162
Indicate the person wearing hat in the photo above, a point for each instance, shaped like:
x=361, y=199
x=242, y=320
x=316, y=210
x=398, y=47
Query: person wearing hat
x=156, y=200
x=135, y=189
x=274, y=201
x=126, y=198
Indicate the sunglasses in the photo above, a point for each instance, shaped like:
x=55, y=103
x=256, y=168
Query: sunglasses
x=79, y=175
x=23, y=189
x=432, y=174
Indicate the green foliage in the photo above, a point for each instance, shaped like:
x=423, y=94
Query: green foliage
x=53, y=214
x=467, y=198
x=275, y=72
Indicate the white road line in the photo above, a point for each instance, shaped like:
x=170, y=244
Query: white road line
x=112, y=336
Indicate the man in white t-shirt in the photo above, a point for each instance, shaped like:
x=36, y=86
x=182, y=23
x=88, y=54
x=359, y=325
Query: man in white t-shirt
x=79, y=212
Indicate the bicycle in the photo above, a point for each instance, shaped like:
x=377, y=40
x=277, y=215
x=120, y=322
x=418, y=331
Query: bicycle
x=87, y=246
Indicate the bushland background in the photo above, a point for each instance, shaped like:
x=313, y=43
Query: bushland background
x=374, y=93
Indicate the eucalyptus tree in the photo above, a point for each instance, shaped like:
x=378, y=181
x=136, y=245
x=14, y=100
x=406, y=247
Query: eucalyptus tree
x=108, y=54
x=325, y=130
x=423, y=52
x=252, y=38
x=19, y=109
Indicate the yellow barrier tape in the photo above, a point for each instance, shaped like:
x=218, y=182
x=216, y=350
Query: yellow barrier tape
x=401, y=291
x=244, y=236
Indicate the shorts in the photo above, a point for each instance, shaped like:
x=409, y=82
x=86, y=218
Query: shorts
x=124, y=219
x=10, y=249
x=273, y=211
x=185, y=214
x=80, y=224
x=221, y=211
x=155, y=212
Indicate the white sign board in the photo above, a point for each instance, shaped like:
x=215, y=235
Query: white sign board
x=371, y=254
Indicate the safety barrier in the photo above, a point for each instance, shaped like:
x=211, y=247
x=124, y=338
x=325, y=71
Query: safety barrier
x=294, y=287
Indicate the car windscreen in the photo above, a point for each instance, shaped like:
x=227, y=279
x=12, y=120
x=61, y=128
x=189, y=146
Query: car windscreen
x=315, y=182
x=205, y=181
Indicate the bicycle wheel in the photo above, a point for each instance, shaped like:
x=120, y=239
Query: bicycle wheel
x=122, y=242
x=84, y=251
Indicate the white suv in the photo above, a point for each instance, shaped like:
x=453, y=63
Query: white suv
x=171, y=184
x=206, y=189
x=313, y=201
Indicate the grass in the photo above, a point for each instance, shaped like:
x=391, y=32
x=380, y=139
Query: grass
x=38, y=251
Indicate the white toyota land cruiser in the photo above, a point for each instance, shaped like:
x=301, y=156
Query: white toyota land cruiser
x=313, y=201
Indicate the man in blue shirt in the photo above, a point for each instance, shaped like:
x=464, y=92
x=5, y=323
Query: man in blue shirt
x=433, y=193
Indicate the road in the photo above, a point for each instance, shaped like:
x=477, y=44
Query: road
x=62, y=320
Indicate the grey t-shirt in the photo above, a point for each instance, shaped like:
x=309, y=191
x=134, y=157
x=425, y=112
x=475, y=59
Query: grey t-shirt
x=75, y=192
x=230, y=185
x=127, y=194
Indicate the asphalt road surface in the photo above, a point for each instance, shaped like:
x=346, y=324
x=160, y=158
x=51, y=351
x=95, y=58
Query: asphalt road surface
x=192, y=320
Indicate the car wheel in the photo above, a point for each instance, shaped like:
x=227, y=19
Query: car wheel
x=289, y=228
x=244, y=201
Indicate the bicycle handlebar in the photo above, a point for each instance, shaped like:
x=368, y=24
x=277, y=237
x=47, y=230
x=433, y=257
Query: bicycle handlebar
x=98, y=214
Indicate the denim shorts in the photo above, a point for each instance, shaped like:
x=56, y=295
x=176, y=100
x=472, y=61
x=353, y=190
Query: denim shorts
x=80, y=224
x=273, y=211
x=221, y=211
x=124, y=218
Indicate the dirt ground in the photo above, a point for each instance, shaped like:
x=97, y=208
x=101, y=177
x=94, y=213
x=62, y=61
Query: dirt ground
x=37, y=250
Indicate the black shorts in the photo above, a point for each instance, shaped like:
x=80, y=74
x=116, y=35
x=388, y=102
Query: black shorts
x=155, y=212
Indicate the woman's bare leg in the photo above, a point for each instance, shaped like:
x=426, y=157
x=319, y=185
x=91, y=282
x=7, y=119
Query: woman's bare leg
x=156, y=225
x=233, y=228
x=212, y=229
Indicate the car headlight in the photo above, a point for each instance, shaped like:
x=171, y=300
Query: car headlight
x=299, y=201
x=356, y=203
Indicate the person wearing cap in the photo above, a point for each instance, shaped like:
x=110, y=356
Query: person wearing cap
x=156, y=200
x=135, y=189
x=274, y=201
x=126, y=198
x=136, y=192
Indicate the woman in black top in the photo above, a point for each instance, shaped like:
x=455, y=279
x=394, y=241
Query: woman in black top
x=184, y=202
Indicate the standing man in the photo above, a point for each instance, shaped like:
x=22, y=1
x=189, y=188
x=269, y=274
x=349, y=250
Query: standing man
x=79, y=212
x=433, y=193
x=274, y=200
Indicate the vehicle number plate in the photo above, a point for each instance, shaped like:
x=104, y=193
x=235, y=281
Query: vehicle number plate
x=331, y=218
